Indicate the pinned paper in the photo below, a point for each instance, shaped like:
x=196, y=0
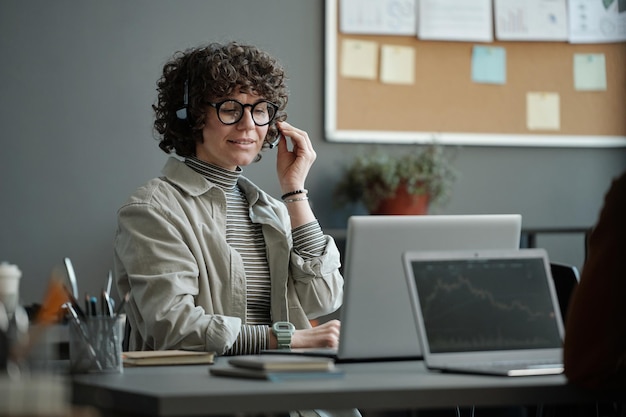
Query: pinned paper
x=543, y=111
x=359, y=59
x=455, y=20
x=531, y=20
x=590, y=72
x=377, y=17
x=596, y=21
x=397, y=64
x=489, y=64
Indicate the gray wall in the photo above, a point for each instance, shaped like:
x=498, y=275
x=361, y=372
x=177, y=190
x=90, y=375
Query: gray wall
x=77, y=81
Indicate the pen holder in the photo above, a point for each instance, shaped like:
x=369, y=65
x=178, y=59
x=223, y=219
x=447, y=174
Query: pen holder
x=96, y=345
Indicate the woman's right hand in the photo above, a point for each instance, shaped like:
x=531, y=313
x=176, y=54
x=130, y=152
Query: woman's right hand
x=323, y=335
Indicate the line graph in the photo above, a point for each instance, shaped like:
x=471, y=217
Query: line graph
x=481, y=306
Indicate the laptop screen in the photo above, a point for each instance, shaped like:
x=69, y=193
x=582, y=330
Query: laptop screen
x=486, y=304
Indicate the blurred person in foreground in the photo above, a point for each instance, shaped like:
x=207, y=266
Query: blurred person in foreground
x=595, y=332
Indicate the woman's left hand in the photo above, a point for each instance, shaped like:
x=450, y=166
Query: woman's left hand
x=293, y=165
x=324, y=335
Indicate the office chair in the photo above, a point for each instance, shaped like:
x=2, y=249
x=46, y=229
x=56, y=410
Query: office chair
x=565, y=279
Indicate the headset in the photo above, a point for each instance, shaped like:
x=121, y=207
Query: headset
x=182, y=112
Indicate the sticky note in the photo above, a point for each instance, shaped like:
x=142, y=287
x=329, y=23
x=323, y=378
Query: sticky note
x=543, y=111
x=397, y=64
x=590, y=72
x=489, y=64
x=359, y=59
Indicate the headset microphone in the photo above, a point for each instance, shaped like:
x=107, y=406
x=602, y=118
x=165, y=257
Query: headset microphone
x=182, y=112
x=275, y=143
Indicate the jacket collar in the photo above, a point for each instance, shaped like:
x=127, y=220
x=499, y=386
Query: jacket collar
x=195, y=184
x=186, y=178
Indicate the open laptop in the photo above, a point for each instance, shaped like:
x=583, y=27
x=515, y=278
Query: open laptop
x=376, y=318
x=486, y=312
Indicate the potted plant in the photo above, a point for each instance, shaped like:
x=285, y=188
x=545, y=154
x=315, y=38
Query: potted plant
x=406, y=184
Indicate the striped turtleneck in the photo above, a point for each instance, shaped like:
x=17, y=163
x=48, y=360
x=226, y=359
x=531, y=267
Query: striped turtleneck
x=246, y=238
x=243, y=236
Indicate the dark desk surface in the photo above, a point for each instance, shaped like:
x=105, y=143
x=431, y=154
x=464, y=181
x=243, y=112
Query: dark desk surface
x=191, y=391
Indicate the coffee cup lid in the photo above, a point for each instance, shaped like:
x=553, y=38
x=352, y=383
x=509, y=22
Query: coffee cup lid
x=8, y=269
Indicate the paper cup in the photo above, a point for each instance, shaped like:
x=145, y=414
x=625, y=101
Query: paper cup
x=9, y=286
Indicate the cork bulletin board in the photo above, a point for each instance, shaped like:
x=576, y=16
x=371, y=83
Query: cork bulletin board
x=444, y=103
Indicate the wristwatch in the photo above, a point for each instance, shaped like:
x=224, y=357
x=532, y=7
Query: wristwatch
x=283, y=331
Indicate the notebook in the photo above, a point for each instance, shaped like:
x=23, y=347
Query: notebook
x=166, y=357
x=376, y=318
x=491, y=312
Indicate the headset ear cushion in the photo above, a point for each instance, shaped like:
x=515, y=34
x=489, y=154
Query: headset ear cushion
x=182, y=113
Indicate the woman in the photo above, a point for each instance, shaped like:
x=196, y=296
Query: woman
x=211, y=261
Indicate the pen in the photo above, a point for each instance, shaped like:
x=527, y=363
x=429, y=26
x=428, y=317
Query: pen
x=103, y=304
x=107, y=308
x=109, y=282
x=93, y=303
x=87, y=304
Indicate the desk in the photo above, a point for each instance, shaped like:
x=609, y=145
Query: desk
x=191, y=391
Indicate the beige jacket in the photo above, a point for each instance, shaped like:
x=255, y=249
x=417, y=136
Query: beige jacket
x=187, y=285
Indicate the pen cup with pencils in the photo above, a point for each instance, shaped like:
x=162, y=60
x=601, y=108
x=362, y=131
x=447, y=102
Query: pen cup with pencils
x=96, y=345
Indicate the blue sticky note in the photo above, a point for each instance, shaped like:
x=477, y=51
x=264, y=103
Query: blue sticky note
x=489, y=64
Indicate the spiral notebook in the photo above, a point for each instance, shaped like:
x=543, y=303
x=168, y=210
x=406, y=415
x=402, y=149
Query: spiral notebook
x=486, y=312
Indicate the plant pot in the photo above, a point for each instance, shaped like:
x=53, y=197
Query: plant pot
x=403, y=203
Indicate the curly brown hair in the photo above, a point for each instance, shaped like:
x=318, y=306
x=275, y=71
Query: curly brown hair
x=213, y=72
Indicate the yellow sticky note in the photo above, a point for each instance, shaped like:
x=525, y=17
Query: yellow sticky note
x=543, y=111
x=590, y=72
x=397, y=64
x=359, y=59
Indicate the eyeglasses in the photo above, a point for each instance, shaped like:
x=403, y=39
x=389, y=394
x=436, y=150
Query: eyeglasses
x=231, y=111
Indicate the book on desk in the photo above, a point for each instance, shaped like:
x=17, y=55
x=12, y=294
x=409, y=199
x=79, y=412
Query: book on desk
x=167, y=357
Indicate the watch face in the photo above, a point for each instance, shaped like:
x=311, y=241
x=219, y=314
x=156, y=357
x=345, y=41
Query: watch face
x=283, y=331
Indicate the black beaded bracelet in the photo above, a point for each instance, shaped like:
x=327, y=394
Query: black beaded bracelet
x=290, y=193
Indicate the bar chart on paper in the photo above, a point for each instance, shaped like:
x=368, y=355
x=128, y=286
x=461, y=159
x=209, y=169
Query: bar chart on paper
x=536, y=20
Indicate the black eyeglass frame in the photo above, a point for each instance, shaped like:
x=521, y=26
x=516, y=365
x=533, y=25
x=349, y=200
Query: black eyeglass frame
x=219, y=104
